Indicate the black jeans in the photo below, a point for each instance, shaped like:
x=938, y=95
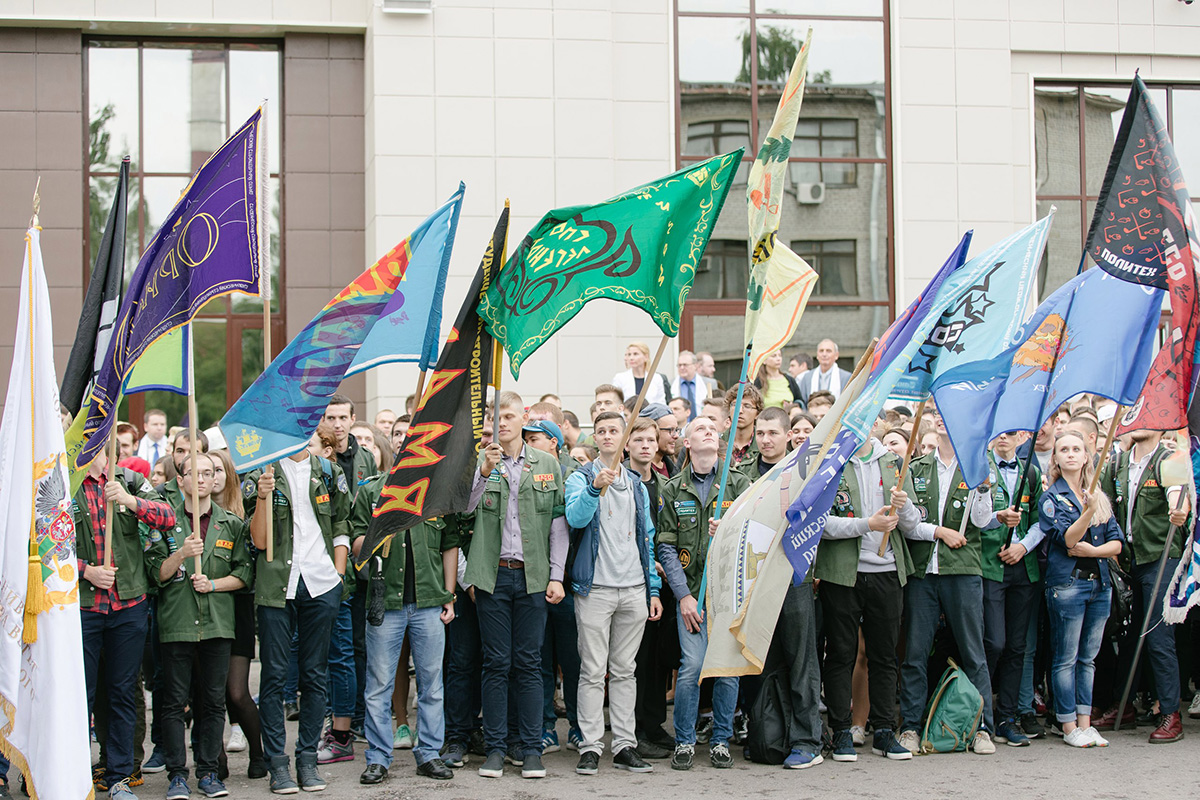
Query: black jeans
x=875, y=603
x=313, y=618
x=512, y=623
x=208, y=727
x=121, y=635
x=657, y=656
x=464, y=665
x=1008, y=606
x=795, y=644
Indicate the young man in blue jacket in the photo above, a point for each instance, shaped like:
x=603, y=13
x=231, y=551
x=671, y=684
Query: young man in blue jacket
x=615, y=584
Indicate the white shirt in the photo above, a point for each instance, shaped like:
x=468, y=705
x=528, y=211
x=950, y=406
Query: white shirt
x=978, y=503
x=310, y=560
x=1136, y=468
x=145, y=449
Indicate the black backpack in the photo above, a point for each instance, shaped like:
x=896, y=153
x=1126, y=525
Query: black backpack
x=768, y=734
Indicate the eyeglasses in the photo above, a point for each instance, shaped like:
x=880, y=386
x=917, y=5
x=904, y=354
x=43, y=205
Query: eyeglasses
x=670, y=431
x=205, y=474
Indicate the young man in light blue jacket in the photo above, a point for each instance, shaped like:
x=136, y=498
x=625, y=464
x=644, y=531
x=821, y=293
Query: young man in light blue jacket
x=611, y=569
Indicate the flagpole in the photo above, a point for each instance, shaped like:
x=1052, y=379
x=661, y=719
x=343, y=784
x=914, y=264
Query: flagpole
x=1108, y=440
x=192, y=434
x=651, y=374
x=908, y=454
x=35, y=595
x=264, y=292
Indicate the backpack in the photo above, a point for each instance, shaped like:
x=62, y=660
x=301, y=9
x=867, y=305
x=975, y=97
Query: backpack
x=953, y=715
x=768, y=738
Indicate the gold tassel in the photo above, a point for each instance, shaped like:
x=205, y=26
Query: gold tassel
x=35, y=593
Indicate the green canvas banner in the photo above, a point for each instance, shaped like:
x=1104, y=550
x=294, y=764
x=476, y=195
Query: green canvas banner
x=641, y=247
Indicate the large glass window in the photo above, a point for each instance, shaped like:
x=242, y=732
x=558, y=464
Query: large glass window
x=169, y=105
x=733, y=58
x=1075, y=126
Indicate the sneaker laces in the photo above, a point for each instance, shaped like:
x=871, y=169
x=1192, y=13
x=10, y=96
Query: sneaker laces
x=685, y=748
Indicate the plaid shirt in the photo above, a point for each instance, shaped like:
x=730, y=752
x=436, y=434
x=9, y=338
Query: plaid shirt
x=157, y=515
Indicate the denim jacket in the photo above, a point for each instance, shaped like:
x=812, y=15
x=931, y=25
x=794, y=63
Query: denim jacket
x=1060, y=508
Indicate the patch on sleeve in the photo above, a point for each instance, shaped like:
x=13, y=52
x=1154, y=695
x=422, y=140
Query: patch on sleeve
x=685, y=558
x=342, y=486
x=249, y=488
x=1048, y=507
x=146, y=487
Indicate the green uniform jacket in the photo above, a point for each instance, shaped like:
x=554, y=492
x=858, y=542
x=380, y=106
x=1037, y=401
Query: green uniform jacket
x=429, y=539
x=128, y=550
x=683, y=519
x=1150, y=508
x=751, y=451
x=966, y=559
x=364, y=469
x=837, y=559
x=184, y=615
x=329, y=495
x=994, y=538
x=539, y=501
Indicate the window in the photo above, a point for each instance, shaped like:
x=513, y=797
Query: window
x=169, y=105
x=732, y=61
x=1075, y=126
x=835, y=263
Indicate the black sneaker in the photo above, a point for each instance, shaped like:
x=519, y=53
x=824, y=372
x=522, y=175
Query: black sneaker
x=648, y=749
x=435, y=768
x=532, y=766
x=455, y=755
x=291, y=711
x=308, y=776
x=589, y=763
x=257, y=769
x=629, y=759
x=885, y=744
x=719, y=756
x=843, y=746
x=704, y=729
x=684, y=753
x=373, y=774
x=741, y=728
x=1031, y=727
x=493, y=767
x=476, y=743
x=515, y=755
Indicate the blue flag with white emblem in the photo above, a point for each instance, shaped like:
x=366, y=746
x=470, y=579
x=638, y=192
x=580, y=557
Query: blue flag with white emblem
x=1096, y=334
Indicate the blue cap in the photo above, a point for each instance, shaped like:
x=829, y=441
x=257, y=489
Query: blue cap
x=548, y=427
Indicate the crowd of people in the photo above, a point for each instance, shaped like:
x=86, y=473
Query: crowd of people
x=571, y=585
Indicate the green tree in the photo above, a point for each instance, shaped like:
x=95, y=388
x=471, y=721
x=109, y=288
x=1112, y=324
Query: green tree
x=777, y=50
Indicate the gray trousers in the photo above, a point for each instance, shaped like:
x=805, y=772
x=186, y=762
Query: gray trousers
x=610, y=624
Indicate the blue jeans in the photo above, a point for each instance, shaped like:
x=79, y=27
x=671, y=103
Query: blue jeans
x=687, y=689
x=512, y=623
x=1078, y=610
x=343, y=680
x=464, y=667
x=1025, y=698
x=960, y=598
x=122, y=637
x=427, y=642
x=561, y=645
x=1160, y=638
x=312, y=618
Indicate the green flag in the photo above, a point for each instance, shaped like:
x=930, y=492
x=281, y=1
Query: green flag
x=641, y=247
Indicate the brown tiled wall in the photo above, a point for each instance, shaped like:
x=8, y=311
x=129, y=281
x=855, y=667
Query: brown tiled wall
x=324, y=201
x=41, y=134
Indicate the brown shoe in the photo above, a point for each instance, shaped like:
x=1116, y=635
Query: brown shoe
x=1169, y=730
x=1108, y=720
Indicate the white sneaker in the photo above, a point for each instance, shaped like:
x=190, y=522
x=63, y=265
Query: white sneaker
x=859, y=734
x=982, y=746
x=1097, y=739
x=1079, y=738
x=237, y=740
x=910, y=740
x=1194, y=708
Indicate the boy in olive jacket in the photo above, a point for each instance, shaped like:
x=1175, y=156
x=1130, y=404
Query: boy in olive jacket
x=300, y=589
x=196, y=622
x=947, y=579
x=112, y=600
x=518, y=553
x=419, y=573
x=685, y=530
x=862, y=588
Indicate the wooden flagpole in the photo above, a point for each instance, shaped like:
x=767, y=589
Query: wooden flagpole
x=908, y=454
x=193, y=436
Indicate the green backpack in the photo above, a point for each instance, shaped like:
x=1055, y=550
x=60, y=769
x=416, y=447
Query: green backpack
x=953, y=715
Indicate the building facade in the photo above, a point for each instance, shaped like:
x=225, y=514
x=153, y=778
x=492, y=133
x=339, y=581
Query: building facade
x=922, y=119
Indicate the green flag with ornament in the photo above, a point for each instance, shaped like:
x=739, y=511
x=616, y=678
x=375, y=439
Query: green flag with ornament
x=640, y=247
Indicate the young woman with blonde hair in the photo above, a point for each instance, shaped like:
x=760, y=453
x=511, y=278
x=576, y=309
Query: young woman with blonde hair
x=1081, y=535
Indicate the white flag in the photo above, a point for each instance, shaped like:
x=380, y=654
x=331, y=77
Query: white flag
x=43, y=697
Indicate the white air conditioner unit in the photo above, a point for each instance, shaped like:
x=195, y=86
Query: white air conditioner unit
x=406, y=6
x=808, y=194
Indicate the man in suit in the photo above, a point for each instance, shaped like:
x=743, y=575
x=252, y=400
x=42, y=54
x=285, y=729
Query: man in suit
x=828, y=376
x=690, y=385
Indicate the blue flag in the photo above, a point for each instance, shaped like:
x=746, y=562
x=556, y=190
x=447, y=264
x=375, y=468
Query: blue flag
x=973, y=315
x=806, y=516
x=213, y=242
x=390, y=313
x=1096, y=334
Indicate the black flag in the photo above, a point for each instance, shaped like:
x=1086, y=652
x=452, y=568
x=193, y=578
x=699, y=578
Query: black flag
x=433, y=473
x=100, y=305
